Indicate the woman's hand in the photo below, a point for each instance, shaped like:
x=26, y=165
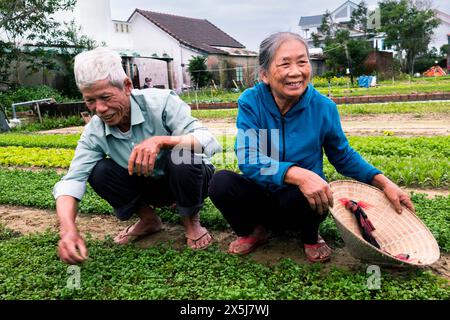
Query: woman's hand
x=314, y=188
x=396, y=196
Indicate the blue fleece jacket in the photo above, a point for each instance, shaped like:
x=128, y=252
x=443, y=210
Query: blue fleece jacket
x=268, y=144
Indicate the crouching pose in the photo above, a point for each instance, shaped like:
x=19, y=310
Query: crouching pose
x=284, y=126
x=141, y=150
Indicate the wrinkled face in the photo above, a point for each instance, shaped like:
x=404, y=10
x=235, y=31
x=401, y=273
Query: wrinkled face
x=110, y=103
x=289, y=73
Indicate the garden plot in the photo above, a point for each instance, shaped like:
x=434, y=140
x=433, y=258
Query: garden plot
x=27, y=221
x=398, y=125
x=32, y=164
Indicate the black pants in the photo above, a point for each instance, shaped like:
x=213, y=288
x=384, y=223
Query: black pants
x=184, y=184
x=244, y=204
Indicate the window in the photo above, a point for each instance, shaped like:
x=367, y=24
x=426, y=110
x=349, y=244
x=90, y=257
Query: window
x=122, y=27
x=240, y=74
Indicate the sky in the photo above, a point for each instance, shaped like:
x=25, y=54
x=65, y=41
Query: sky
x=248, y=21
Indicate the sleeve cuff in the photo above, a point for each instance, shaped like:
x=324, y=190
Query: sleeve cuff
x=72, y=188
x=209, y=143
x=284, y=167
x=372, y=174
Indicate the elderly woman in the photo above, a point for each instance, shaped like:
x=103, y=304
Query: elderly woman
x=284, y=125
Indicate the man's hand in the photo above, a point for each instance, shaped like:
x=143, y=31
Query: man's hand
x=144, y=156
x=314, y=188
x=393, y=192
x=71, y=248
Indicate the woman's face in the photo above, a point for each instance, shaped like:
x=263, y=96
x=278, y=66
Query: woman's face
x=289, y=73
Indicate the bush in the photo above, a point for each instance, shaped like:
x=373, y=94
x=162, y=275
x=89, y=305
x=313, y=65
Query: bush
x=49, y=123
x=335, y=81
x=24, y=94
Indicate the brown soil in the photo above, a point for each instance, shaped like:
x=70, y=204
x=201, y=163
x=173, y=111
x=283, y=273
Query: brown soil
x=382, y=124
x=30, y=221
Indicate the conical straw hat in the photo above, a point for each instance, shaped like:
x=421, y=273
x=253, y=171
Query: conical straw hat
x=397, y=234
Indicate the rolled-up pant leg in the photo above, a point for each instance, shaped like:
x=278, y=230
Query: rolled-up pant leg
x=125, y=193
x=189, y=183
x=186, y=184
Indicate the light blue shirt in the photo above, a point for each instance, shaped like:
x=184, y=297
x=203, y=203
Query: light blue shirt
x=154, y=112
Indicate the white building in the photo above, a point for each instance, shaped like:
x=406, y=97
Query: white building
x=342, y=15
x=440, y=33
x=157, y=45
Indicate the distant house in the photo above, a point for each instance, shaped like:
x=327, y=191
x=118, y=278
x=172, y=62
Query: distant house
x=159, y=45
x=177, y=39
x=341, y=15
x=440, y=33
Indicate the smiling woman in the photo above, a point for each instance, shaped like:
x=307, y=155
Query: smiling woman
x=288, y=73
x=284, y=125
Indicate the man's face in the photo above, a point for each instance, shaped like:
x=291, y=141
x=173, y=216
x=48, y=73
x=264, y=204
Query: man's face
x=110, y=103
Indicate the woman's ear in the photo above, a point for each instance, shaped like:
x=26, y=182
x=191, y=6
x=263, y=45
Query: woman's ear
x=264, y=77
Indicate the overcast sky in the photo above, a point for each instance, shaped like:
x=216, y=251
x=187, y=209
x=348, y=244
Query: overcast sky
x=248, y=21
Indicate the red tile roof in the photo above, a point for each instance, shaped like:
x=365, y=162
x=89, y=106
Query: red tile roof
x=196, y=33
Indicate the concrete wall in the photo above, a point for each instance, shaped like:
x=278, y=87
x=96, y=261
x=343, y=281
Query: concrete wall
x=152, y=68
x=224, y=69
x=150, y=40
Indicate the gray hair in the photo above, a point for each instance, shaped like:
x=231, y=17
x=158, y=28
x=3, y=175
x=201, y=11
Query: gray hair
x=270, y=45
x=99, y=64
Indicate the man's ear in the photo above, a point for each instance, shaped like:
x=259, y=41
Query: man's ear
x=128, y=86
x=264, y=77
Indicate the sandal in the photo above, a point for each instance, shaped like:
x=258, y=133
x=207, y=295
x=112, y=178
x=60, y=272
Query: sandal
x=252, y=241
x=193, y=244
x=126, y=236
x=320, y=244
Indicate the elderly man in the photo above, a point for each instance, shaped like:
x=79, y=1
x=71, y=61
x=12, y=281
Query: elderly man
x=141, y=150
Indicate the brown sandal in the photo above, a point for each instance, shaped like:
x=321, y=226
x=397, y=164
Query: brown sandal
x=194, y=241
x=125, y=236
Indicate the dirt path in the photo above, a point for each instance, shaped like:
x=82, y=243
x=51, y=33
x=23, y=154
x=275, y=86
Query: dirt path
x=30, y=221
x=391, y=124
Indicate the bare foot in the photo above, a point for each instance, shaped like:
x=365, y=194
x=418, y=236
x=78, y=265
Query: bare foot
x=148, y=223
x=197, y=236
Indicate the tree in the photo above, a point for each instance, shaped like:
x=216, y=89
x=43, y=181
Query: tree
x=26, y=22
x=341, y=51
x=427, y=60
x=408, y=26
x=71, y=42
x=200, y=76
x=359, y=19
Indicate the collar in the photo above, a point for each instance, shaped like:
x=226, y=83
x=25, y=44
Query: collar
x=136, y=115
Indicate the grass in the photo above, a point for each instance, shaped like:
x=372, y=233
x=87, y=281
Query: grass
x=417, y=108
x=39, y=140
x=214, y=96
x=420, y=161
x=160, y=273
x=33, y=189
